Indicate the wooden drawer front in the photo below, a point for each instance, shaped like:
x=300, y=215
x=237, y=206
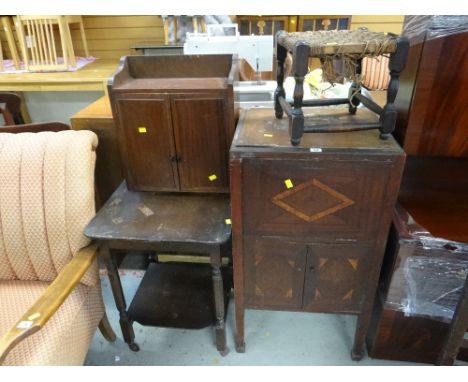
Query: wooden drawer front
x=199, y=130
x=330, y=199
x=274, y=272
x=148, y=145
x=336, y=277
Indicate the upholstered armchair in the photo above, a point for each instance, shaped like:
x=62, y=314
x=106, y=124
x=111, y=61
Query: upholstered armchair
x=50, y=293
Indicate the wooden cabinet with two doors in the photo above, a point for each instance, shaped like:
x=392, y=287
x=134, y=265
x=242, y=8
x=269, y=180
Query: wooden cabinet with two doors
x=310, y=222
x=175, y=119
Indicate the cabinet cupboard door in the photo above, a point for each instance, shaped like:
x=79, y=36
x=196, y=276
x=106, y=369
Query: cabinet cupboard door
x=148, y=143
x=274, y=272
x=199, y=130
x=336, y=277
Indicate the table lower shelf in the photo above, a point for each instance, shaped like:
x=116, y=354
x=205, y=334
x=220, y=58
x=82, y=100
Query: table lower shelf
x=177, y=295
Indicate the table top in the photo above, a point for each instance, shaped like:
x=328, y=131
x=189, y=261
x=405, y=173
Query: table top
x=162, y=218
x=91, y=77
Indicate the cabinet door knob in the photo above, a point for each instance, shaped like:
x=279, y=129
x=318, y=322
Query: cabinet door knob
x=179, y=158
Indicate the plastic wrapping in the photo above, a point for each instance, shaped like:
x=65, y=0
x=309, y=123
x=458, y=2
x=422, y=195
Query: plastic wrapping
x=430, y=27
x=429, y=277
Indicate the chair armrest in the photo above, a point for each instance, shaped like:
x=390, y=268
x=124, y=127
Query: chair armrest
x=50, y=301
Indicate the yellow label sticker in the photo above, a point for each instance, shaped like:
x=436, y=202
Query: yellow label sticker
x=142, y=129
x=268, y=135
x=228, y=221
x=34, y=316
x=331, y=43
x=212, y=177
x=288, y=183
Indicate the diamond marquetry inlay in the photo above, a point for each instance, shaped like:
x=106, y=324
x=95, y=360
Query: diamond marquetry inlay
x=348, y=296
x=354, y=263
x=302, y=200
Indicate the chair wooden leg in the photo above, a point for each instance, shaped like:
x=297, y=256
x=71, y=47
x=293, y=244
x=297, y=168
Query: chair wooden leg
x=83, y=37
x=69, y=42
x=6, y=24
x=106, y=329
x=1, y=57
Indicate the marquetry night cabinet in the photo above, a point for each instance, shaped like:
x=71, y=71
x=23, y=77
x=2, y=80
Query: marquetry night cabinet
x=310, y=222
x=175, y=120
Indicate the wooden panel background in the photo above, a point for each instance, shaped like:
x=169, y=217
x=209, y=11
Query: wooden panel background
x=110, y=36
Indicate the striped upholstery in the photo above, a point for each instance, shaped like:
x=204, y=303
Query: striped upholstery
x=46, y=200
x=375, y=73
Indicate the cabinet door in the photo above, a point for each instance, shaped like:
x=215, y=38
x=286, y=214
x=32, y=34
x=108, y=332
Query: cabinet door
x=148, y=143
x=274, y=272
x=326, y=199
x=336, y=277
x=199, y=128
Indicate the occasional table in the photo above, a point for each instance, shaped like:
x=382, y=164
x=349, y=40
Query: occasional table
x=181, y=295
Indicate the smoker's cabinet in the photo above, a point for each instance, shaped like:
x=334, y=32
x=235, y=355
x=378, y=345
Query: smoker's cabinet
x=175, y=118
x=310, y=222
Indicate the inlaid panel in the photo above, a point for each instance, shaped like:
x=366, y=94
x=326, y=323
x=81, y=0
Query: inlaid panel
x=335, y=277
x=274, y=272
x=318, y=198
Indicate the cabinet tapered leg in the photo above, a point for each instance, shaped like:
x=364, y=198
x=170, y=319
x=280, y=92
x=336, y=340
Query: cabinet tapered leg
x=125, y=323
x=239, y=307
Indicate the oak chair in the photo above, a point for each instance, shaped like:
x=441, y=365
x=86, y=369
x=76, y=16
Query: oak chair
x=39, y=43
x=50, y=293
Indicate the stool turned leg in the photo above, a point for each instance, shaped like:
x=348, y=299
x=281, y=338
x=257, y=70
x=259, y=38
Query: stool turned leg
x=125, y=323
x=300, y=67
x=396, y=64
x=354, y=89
x=218, y=293
x=281, y=53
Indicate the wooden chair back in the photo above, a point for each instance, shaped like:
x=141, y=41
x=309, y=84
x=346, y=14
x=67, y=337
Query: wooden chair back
x=39, y=42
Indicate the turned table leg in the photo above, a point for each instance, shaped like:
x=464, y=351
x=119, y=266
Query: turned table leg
x=218, y=292
x=125, y=323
